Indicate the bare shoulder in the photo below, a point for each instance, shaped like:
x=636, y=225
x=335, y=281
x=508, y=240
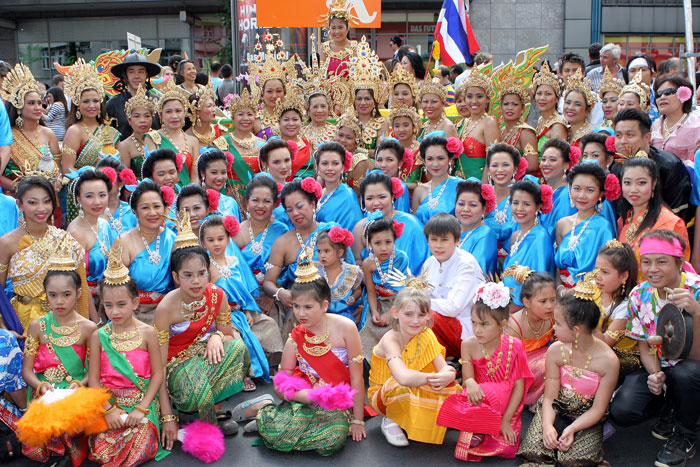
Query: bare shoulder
x=86, y=325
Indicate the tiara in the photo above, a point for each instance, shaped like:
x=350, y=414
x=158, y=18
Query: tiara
x=306, y=269
x=640, y=89
x=172, y=92
x=477, y=79
x=433, y=86
x=203, y=95
x=348, y=119
x=513, y=85
x=399, y=279
x=609, y=84
x=518, y=272
x=614, y=243
x=17, y=84
x=29, y=171
x=266, y=65
x=402, y=110
x=315, y=81
x=81, y=77
x=545, y=76
x=366, y=71
x=62, y=258
x=583, y=85
x=290, y=101
x=587, y=289
x=185, y=236
x=244, y=100
x=401, y=76
x=341, y=9
x=116, y=273
x=138, y=100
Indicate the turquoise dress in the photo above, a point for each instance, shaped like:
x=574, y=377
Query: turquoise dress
x=154, y=277
x=342, y=289
x=383, y=287
x=256, y=260
x=229, y=207
x=536, y=252
x=95, y=258
x=481, y=242
x=404, y=202
x=246, y=274
x=123, y=220
x=412, y=242
x=341, y=206
x=444, y=200
x=562, y=208
x=240, y=300
x=8, y=206
x=500, y=221
x=578, y=256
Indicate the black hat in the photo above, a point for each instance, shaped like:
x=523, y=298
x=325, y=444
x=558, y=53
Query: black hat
x=397, y=40
x=134, y=58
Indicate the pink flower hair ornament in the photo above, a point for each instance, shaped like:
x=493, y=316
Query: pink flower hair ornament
x=398, y=228
x=522, y=168
x=610, y=144
x=612, y=187
x=231, y=225
x=547, y=204
x=128, y=177
x=684, y=93
x=110, y=173
x=489, y=195
x=574, y=156
x=310, y=185
x=213, y=198
x=341, y=235
x=396, y=187
x=493, y=295
x=454, y=146
x=168, y=195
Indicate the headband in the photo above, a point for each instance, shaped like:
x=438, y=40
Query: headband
x=656, y=246
x=637, y=63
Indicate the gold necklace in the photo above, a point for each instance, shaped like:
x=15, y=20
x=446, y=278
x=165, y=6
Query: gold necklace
x=512, y=132
x=205, y=138
x=184, y=138
x=580, y=133
x=64, y=340
x=542, y=123
x=319, y=343
x=577, y=372
x=123, y=342
x=490, y=368
x=87, y=130
x=245, y=143
x=631, y=232
x=537, y=333
x=35, y=140
x=416, y=353
x=64, y=330
x=430, y=127
x=470, y=126
x=138, y=144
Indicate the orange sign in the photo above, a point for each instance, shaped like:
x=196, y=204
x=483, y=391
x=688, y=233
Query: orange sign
x=311, y=13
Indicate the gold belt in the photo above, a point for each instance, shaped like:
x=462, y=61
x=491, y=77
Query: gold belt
x=56, y=375
x=129, y=401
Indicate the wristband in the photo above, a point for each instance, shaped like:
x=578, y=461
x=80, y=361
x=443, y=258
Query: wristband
x=169, y=418
x=275, y=296
x=357, y=422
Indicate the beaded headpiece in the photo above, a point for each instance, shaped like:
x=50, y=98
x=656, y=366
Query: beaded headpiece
x=433, y=86
x=206, y=93
x=577, y=82
x=18, y=83
x=518, y=272
x=366, y=71
x=244, y=100
x=513, y=85
x=116, y=273
x=609, y=84
x=62, y=258
x=640, y=89
x=81, y=77
x=315, y=81
x=403, y=110
x=291, y=101
x=477, y=79
x=185, y=236
x=172, y=92
x=341, y=9
x=587, y=289
x=401, y=76
x=614, y=243
x=545, y=76
x=306, y=269
x=138, y=100
x=348, y=120
x=399, y=279
x=270, y=62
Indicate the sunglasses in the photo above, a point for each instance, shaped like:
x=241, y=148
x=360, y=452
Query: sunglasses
x=667, y=92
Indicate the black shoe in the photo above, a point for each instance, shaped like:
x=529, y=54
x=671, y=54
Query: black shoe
x=676, y=452
x=663, y=429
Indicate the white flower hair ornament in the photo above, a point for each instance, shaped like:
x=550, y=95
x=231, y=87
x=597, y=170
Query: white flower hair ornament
x=493, y=294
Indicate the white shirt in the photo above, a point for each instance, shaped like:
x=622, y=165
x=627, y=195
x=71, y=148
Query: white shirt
x=455, y=283
x=462, y=76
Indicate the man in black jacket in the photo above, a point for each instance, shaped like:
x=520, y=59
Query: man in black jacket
x=633, y=134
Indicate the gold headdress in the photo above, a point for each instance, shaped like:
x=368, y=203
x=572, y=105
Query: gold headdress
x=609, y=84
x=62, y=258
x=348, y=120
x=433, y=86
x=315, y=81
x=116, y=273
x=479, y=79
x=399, y=279
x=271, y=63
x=138, y=100
x=614, y=243
x=81, y=77
x=18, y=83
x=206, y=93
x=185, y=236
x=290, y=101
x=639, y=88
x=172, y=92
x=587, y=289
x=403, y=110
x=366, y=71
x=306, y=269
x=583, y=85
x=341, y=9
x=401, y=76
x=513, y=85
x=545, y=76
x=518, y=272
x=242, y=101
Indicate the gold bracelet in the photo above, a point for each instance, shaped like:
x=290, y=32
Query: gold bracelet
x=357, y=422
x=80, y=385
x=169, y=418
x=3, y=267
x=111, y=409
x=38, y=389
x=218, y=333
x=145, y=411
x=359, y=358
x=464, y=362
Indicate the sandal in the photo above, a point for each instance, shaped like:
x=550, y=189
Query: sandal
x=238, y=412
x=228, y=427
x=251, y=427
x=249, y=385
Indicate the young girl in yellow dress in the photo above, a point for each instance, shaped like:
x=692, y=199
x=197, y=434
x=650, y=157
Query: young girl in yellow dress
x=409, y=378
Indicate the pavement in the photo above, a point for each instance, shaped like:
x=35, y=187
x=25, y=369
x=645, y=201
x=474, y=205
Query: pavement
x=628, y=447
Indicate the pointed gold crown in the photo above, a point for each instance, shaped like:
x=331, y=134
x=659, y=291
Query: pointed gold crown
x=401, y=76
x=639, y=88
x=291, y=101
x=116, y=273
x=518, y=272
x=18, y=83
x=138, y=100
x=433, y=86
x=348, y=120
x=403, y=110
x=399, y=279
x=545, y=76
x=185, y=236
x=62, y=258
x=513, y=85
x=306, y=269
x=577, y=82
x=341, y=9
x=478, y=79
x=366, y=71
x=609, y=84
x=270, y=61
x=614, y=243
x=587, y=289
x=242, y=101
x=172, y=92
x=81, y=77
x=30, y=171
x=203, y=95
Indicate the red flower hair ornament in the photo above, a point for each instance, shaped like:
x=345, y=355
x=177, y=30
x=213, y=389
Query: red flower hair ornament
x=547, y=194
x=489, y=195
x=522, y=168
x=341, y=235
x=231, y=225
x=128, y=177
x=612, y=187
x=178, y=161
x=168, y=195
x=396, y=187
x=310, y=185
x=574, y=156
x=398, y=228
x=110, y=173
x=213, y=198
x=454, y=146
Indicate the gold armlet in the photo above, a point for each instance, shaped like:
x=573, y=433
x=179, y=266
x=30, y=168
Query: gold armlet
x=464, y=362
x=163, y=336
x=223, y=318
x=393, y=357
x=616, y=335
x=3, y=267
x=69, y=151
x=358, y=358
x=31, y=345
x=169, y=418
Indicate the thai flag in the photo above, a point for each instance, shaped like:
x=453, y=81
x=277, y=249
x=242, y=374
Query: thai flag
x=454, y=34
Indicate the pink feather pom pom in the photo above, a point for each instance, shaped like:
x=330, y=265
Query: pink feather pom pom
x=294, y=147
x=574, y=156
x=168, y=195
x=610, y=144
x=522, y=168
x=204, y=441
x=213, y=197
x=547, y=204
x=489, y=195
x=348, y=161
x=407, y=161
x=612, y=187
x=128, y=177
x=179, y=161
x=398, y=228
x=229, y=159
x=310, y=185
x=396, y=187
x=231, y=225
x=287, y=384
x=110, y=173
x=454, y=145
x=339, y=397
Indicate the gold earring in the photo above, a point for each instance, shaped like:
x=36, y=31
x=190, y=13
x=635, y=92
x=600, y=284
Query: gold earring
x=576, y=342
x=19, y=122
x=78, y=115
